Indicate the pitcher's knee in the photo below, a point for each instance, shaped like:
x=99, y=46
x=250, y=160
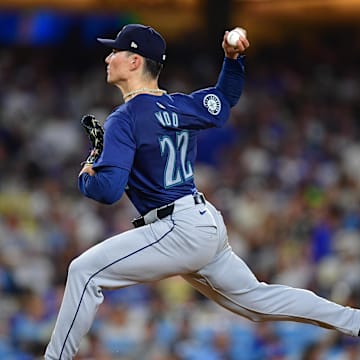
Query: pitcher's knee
x=77, y=268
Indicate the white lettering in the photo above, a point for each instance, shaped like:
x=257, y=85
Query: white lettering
x=160, y=118
x=175, y=119
x=165, y=119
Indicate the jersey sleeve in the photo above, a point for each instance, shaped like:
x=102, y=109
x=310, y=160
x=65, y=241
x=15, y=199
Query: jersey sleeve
x=231, y=79
x=119, y=143
x=106, y=186
x=202, y=109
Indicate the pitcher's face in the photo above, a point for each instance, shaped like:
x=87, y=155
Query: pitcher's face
x=118, y=66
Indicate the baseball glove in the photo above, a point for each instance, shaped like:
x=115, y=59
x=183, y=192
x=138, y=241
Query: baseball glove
x=95, y=132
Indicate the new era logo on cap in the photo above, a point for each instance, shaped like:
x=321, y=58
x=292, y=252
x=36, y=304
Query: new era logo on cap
x=141, y=39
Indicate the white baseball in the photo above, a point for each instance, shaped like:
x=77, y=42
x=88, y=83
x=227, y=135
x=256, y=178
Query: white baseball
x=234, y=36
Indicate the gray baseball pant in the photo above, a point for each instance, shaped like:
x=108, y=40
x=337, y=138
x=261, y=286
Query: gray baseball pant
x=191, y=242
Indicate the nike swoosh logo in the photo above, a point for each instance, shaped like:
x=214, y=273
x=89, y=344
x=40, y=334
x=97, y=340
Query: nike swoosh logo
x=202, y=212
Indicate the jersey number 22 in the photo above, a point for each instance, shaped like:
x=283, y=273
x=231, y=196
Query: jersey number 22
x=177, y=169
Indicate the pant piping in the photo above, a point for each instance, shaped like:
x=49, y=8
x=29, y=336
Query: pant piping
x=99, y=271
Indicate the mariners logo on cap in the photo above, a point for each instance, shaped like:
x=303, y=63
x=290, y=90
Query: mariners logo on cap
x=212, y=103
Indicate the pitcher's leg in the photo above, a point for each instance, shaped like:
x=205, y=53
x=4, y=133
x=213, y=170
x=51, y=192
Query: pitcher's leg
x=87, y=275
x=117, y=262
x=149, y=253
x=81, y=300
x=229, y=282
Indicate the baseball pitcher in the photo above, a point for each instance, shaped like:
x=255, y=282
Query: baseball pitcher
x=147, y=149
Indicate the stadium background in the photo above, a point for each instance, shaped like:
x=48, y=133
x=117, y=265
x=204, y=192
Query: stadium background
x=285, y=171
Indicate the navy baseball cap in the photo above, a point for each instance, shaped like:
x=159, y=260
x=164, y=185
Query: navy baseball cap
x=140, y=39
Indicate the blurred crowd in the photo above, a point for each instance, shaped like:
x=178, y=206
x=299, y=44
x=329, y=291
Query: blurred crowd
x=285, y=172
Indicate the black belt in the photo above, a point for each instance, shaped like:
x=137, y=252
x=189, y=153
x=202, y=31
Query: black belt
x=199, y=198
x=167, y=210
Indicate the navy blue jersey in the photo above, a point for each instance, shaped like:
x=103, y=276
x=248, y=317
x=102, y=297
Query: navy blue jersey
x=154, y=138
x=150, y=142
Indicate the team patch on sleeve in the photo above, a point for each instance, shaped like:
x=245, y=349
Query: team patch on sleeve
x=212, y=103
